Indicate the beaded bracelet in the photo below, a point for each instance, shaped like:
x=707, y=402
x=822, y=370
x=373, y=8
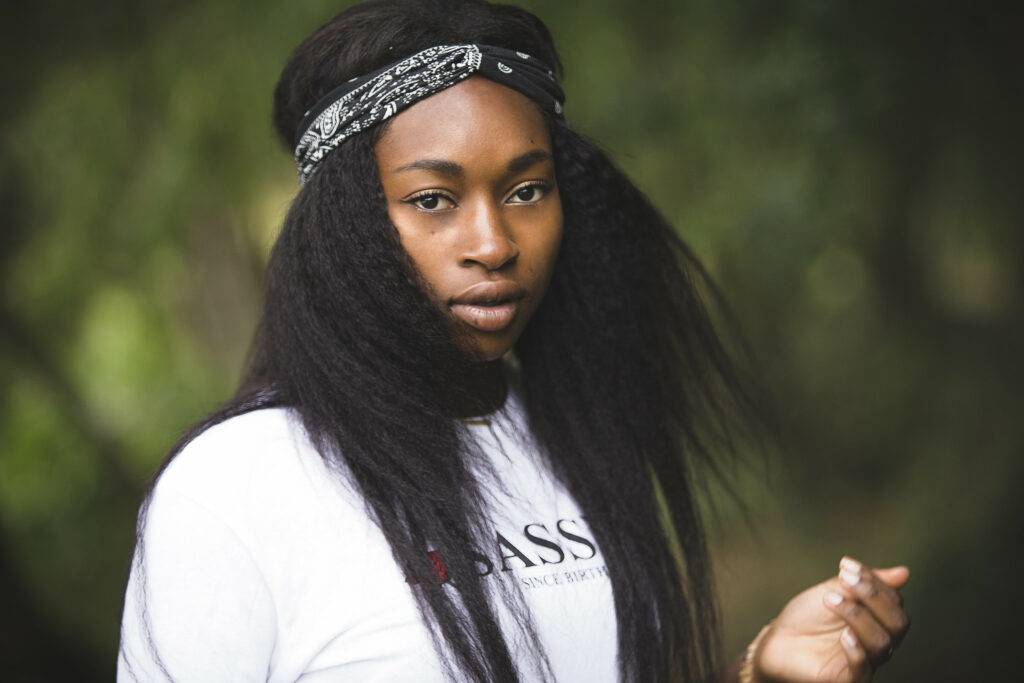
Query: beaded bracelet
x=747, y=669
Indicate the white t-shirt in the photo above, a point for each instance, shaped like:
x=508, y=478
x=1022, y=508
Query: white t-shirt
x=261, y=564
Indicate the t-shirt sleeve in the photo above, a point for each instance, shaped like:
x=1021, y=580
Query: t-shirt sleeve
x=197, y=607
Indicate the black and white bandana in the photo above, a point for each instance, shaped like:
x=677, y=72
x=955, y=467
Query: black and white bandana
x=367, y=100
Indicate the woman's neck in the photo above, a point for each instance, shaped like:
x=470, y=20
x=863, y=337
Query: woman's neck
x=487, y=390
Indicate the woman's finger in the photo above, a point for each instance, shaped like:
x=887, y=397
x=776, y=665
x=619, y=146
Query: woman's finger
x=884, y=601
x=860, y=670
x=872, y=637
x=894, y=577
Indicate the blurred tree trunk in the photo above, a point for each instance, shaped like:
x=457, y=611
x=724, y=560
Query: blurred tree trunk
x=32, y=647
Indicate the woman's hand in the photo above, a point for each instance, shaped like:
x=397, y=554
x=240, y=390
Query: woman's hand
x=838, y=631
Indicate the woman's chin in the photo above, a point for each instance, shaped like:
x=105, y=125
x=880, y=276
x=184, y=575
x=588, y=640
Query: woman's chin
x=487, y=356
x=485, y=348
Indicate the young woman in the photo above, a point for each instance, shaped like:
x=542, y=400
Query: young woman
x=479, y=407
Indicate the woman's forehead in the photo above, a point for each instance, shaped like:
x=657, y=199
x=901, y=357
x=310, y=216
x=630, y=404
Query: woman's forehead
x=474, y=119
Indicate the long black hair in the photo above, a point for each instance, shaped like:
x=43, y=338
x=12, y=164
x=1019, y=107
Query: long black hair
x=628, y=390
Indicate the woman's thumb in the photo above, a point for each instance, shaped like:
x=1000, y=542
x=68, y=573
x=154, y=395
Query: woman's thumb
x=896, y=577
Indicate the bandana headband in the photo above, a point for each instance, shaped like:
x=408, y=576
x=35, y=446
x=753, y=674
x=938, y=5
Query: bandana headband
x=367, y=100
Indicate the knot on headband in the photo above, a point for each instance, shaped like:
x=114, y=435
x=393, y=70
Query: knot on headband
x=367, y=100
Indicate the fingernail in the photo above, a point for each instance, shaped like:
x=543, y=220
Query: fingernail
x=851, y=564
x=848, y=638
x=833, y=598
x=849, y=577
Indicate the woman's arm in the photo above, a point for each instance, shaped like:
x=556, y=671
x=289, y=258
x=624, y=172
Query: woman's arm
x=742, y=670
x=196, y=607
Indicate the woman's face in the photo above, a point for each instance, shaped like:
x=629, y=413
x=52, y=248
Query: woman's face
x=469, y=180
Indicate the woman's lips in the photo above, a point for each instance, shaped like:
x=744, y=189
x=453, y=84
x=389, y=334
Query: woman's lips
x=486, y=318
x=490, y=305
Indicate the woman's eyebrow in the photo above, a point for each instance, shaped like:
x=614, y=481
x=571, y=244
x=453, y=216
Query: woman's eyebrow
x=442, y=166
x=450, y=168
x=528, y=159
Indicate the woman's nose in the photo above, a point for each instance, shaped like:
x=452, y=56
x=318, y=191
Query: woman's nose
x=487, y=239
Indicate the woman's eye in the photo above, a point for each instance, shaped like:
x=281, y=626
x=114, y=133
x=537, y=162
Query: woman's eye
x=431, y=201
x=529, y=193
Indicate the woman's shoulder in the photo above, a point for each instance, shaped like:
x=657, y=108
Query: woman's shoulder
x=249, y=464
x=237, y=446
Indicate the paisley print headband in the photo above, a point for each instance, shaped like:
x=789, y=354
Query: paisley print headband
x=367, y=100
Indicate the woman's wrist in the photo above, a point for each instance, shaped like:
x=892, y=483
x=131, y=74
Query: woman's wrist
x=746, y=673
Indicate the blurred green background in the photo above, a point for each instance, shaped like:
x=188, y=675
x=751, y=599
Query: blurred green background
x=849, y=172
